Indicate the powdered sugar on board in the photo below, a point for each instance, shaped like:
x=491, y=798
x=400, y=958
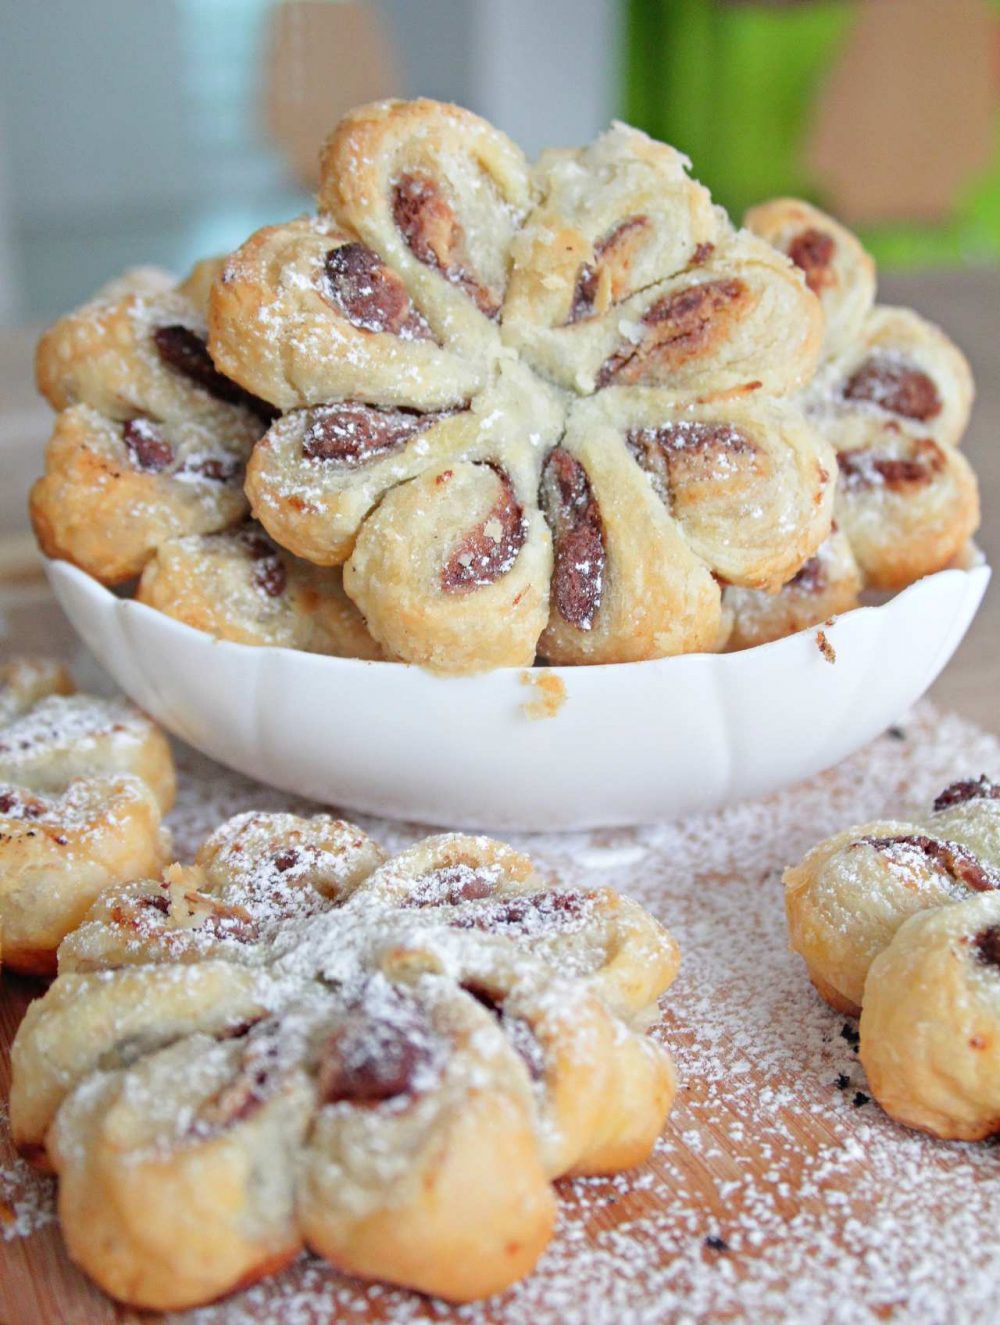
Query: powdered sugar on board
x=778, y=1191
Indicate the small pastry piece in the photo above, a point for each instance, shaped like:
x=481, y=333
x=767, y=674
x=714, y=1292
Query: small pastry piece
x=643, y=495
x=318, y=473
x=60, y=852
x=251, y=876
x=113, y=492
x=438, y=194
x=419, y=1088
x=741, y=321
x=152, y=440
x=305, y=313
x=63, y=737
x=601, y=1092
x=894, y=405
x=177, y=1174
x=846, y=899
x=240, y=586
x=138, y=350
x=907, y=505
x=24, y=681
x=109, y=1020
x=452, y=570
x=930, y=1028
x=836, y=267
x=613, y=218
x=484, y=887
x=826, y=585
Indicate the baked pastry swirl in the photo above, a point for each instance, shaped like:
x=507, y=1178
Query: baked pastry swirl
x=83, y=784
x=892, y=396
x=466, y=349
x=899, y=921
x=151, y=441
x=294, y=1041
x=239, y=585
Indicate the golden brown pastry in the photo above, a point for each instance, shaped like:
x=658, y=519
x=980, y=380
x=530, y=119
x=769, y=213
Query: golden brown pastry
x=429, y=334
x=293, y=1043
x=826, y=585
x=894, y=407
x=241, y=586
x=930, y=1027
x=305, y=313
x=892, y=397
x=60, y=850
x=151, y=441
x=83, y=784
x=439, y=194
x=836, y=267
x=643, y=494
x=851, y=893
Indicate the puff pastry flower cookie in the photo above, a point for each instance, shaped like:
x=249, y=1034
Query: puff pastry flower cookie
x=83, y=785
x=527, y=410
x=892, y=396
x=296, y=1042
x=151, y=441
x=900, y=921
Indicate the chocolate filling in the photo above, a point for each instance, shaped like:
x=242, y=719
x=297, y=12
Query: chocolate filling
x=987, y=946
x=971, y=789
x=434, y=235
x=578, y=538
x=369, y=294
x=955, y=860
x=352, y=434
x=811, y=578
x=525, y=913
x=186, y=353
x=812, y=250
x=865, y=468
x=147, y=447
x=368, y=1060
x=488, y=551
x=614, y=253
x=896, y=387
x=678, y=327
x=518, y=1031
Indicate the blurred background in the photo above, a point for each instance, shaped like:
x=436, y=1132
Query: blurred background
x=162, y=130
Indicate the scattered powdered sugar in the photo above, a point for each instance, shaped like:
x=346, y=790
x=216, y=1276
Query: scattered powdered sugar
x=779, y=1191
x=27, y=1199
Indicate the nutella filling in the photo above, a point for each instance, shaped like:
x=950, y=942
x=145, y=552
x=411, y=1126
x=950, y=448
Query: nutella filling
x=987, y=946
x=369, y=294
x=147, y=447
x=813, y=251
x=970, y=789
x=186, y=353
x=352, y=434
x=897, y=387
x=950, y=857
x=434, y=235
x=613, y=257
x=368, y=1059
x=488, y=551
x=677, y=328
x=578, y=538
x=866, y=468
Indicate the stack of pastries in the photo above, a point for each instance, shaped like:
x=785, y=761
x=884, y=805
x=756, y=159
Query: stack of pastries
x=475, y=413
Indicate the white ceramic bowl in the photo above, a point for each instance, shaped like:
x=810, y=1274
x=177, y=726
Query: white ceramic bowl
x=629, y=744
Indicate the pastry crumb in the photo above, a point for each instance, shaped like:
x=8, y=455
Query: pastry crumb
x=550, y=695
x=825, y=647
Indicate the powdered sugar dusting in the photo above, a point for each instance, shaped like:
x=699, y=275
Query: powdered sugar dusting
x=779, y=1191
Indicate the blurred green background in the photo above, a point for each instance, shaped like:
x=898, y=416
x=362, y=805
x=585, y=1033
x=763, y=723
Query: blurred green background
x=739, y=85
x=161, y=130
